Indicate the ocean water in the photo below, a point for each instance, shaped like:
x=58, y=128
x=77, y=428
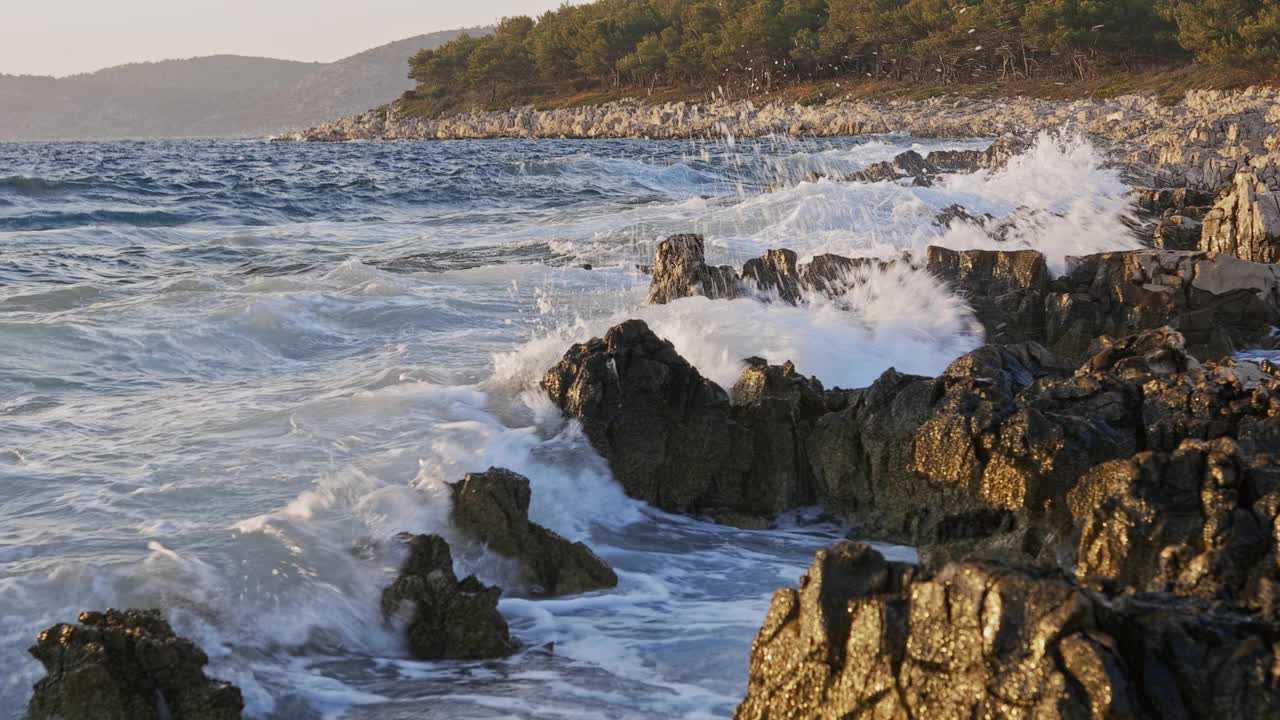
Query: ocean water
x=232, y=372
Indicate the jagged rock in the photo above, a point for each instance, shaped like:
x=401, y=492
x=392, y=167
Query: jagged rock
x=126, y=665
x=1005, y=288
x=1177, y=232
x=665, y=430
x=777, y=408
x=1245, y=222
x=1218, y=302
x=680, y=270
x=448, y=619
x=865, y=638
x=953, y=213
x=1158, y=201
x=493, y=507
x=1200, y=522
x=775, y=272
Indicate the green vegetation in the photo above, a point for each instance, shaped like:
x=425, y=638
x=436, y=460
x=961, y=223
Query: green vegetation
x=672, y=48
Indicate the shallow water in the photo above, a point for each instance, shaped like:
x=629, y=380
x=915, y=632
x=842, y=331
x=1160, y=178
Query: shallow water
x=233, y=371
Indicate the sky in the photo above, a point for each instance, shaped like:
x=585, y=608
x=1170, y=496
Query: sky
x=64, y=37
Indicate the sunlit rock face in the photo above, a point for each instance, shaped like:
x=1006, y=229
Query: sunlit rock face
x=865, y=638
x=126, y=665
x=493, y=508
x=1246, y=221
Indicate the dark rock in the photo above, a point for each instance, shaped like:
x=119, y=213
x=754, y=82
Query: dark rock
x=1158, y=201
x=665, y=430
x=493, y=507
x=862, y=637
x=952, y=214
x=995, y=157
x=775, y=272
x=1200, y=522
x=1005, y=288
x=1219, y=303
x=126, y=665
x=776, y=407
x=1177, y=232
x=680, y=270
x=448, y=619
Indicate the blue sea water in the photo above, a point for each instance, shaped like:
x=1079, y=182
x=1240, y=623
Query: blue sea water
x=232, y=371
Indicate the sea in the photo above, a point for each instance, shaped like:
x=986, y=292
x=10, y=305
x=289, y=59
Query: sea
x=233, y=371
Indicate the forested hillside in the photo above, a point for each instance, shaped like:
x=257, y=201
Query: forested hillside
x=755, y=46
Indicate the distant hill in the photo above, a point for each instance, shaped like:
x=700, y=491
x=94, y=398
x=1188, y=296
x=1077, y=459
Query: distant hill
x=216, y=96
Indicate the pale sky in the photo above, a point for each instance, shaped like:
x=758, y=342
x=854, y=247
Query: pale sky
x=62, y=37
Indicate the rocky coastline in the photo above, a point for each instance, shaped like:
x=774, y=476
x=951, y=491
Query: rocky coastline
x=1200, y=142
x=1094, y=492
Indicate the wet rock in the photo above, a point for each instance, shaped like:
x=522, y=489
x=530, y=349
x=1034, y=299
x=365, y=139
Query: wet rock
x=776, y=407
x=776, y=273
x=448, y=619
x=1245, y=222
x=493, y=507
x=126, y=665
x=1199, y=522
x=952, y=214
x=1218, y=302
x=863, y=637
x=1006, y=288
x=665, y=430
x=680, y=270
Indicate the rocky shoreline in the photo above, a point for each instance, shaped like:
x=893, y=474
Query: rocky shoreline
x=1095, y=492
x=1200, y=142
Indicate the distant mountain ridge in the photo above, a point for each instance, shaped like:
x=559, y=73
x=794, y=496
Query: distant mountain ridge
x=214, y=96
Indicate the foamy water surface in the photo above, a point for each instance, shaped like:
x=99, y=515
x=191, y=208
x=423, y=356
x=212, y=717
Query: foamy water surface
x=234, y=371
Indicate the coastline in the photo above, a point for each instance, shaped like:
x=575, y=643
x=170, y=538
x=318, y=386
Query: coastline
x=1200, y=142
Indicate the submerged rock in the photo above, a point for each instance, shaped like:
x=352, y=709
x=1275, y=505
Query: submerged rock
x=1245, y=222
x=680, y=270
x=493, y=507
x=862, y=637
x=126, y=665
x=448, y=619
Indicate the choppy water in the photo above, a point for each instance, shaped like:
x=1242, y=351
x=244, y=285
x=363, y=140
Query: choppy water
x=232, y=371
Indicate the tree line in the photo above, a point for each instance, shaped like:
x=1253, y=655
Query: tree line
x=756, y=45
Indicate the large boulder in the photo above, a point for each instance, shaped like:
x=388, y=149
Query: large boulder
x=665, y=430
x=865, y=638
x=675, y=439
x=1245, y=222
x=493, y=507
x=126, y=665
x=448, y=619
x=680, y=270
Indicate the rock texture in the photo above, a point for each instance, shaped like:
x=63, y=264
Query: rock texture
x=865, y=638
x=448, y=619
x=126, y=665
x=1200, y=521
x=680, y=270
x=493, y=507
x=1246, y=221
x=664, y=428
x=1005, y=288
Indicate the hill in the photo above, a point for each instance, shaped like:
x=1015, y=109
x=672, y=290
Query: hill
x=215, y=96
